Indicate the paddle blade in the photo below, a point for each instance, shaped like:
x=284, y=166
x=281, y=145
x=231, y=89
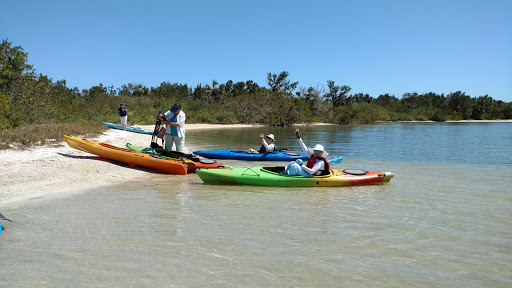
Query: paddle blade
x=2, y=217
x=335, y=160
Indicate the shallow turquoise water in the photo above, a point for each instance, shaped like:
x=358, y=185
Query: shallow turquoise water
x=443, y=221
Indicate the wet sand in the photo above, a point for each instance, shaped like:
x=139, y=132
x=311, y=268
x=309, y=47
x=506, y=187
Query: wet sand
x=51, y=171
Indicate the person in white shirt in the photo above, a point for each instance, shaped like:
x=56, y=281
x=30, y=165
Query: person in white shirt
x=175, y=127
x=317, y=164
x=267, y=143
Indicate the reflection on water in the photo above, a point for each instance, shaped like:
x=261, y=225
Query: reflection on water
x=440, y=222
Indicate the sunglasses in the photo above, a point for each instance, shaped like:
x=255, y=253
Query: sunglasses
x=318, y=151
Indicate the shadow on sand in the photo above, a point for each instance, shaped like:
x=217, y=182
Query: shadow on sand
x=118, y=163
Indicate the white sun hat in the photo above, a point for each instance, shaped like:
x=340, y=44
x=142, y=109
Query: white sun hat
x=271, y=136
x=319, y=148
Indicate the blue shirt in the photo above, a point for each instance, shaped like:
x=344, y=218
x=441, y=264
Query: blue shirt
x=174, y=129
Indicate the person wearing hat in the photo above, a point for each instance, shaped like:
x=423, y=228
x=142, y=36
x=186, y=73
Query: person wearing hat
x=267, y=143
x=175, y=127
x=317, y=164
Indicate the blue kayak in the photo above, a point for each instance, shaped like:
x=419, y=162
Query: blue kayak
x=242, y=155
x=129, y=128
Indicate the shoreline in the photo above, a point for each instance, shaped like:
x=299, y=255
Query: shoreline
x=57, y=169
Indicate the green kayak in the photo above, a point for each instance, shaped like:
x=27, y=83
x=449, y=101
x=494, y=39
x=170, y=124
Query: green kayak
x=273, y=176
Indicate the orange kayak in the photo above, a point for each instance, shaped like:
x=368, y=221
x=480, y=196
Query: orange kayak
x=192, y=161
x=124, y=155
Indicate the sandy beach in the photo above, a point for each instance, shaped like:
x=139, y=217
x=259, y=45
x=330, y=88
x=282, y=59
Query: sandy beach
x=55, y=170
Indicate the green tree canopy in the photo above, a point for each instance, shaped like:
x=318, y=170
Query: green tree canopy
x=13, y=66
x=280, y=83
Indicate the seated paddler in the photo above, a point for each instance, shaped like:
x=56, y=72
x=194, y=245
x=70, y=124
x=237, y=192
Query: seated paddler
x=267, y=143
x=317, y=164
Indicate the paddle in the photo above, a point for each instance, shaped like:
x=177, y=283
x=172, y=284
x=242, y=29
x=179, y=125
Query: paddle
x=2, y=217
x=335, y=160
x=157, y=132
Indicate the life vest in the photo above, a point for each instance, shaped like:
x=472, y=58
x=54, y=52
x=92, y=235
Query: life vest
x=311, y=163
x=264, y=150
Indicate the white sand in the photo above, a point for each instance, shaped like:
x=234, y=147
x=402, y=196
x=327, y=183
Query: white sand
x=48, y=171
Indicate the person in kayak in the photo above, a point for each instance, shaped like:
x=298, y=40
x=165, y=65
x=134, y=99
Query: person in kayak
x=267, y=143
x=174, y=119
x=317, y=164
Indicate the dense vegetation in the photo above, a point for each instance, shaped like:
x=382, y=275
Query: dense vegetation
x=30, y=98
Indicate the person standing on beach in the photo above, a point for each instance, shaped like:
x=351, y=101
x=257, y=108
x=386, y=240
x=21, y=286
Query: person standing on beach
x=123, y=115
x=175, y=127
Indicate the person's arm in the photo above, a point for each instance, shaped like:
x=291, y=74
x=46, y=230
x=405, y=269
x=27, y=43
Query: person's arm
x=318, y=166
x=265, y=144
x=180, y=120
x=165, y=118
x=302, y=145
x=304, y=148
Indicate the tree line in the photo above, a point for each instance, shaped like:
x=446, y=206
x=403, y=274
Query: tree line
x=27, y=97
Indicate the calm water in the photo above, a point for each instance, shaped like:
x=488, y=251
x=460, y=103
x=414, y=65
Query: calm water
x=445, y=220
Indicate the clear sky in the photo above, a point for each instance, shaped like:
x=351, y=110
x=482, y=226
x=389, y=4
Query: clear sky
x=375, y=47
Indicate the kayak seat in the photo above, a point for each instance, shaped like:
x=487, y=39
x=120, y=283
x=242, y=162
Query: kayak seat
x=207, y=161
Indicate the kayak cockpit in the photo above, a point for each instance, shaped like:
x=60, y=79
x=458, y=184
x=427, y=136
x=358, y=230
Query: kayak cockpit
x=275, y=169
x=280, y=170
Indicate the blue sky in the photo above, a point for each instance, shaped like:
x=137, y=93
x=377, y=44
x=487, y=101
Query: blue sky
x=375, y=47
